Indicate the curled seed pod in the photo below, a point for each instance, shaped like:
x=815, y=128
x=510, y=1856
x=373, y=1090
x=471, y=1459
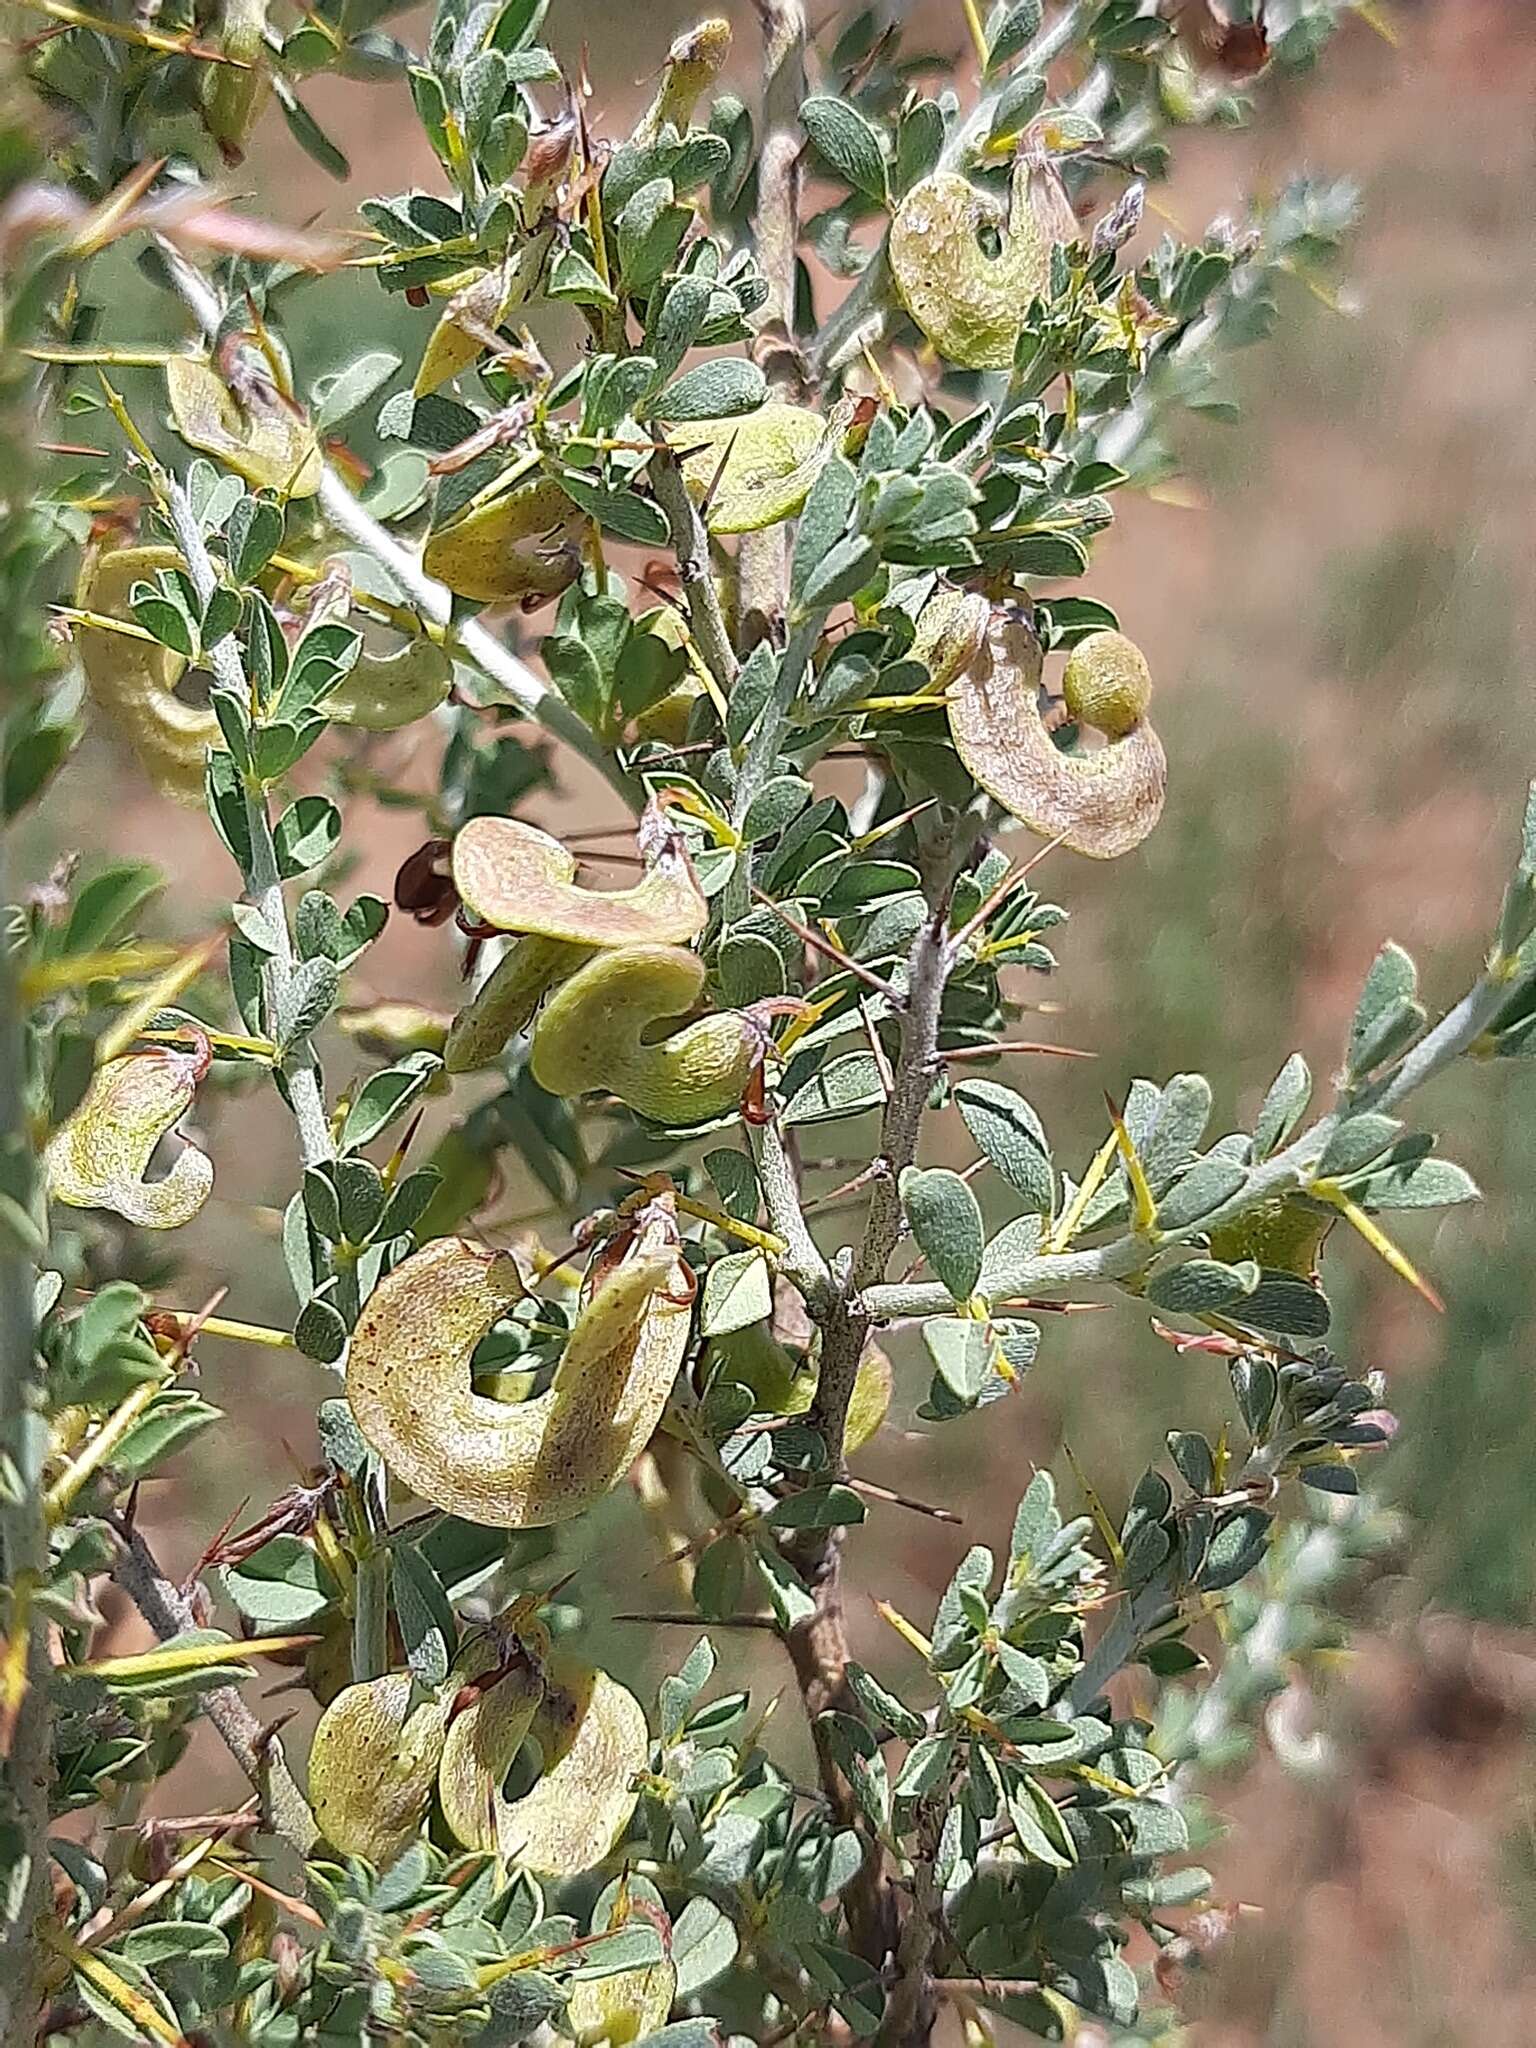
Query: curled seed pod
x=505, y=1001
x=389, y=1030
x=373, y=1764
x=234, y=94
x=464, y=330
x=501, y=1684
x=1101, y=803
x=757, y=469
x=629, y=2005
x=950, y=630
x=383, y=692
x=1281, y=1233
x=134, y=681
x=519, y=879
x=527, y=1464
x=594, y=1739
x=524, y=544
x=969, y=303
x=96, y=1160
x=597, y=1031
x=266, y=439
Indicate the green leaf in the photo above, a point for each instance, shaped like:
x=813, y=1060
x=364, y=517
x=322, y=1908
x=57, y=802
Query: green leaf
x=1208, y=1183
x=1426, y=1183
x=704, y=1945
x=306, y=834
x=817, y=1507
x=677, y=1694
x=1392, y=981
x=347, y=391
x=283, y=1585
x=313, y=990
x=882, y=1707
x=737, y=1293
x=925, y=1766
x=1284, y=1106
x=1019, y=25
x=1355, y=1143
x=845, y=1086
x=386, y=1095
x=945, y=1219
x=422, y=1609
x=307, y=132
x=777, y=804
x=853, y=1748
x=1201, y=1286
x=823, y=521
x=105, y=904
x=847, y=143
x=842, y=571
x=719, y=389
x=1006, y=1129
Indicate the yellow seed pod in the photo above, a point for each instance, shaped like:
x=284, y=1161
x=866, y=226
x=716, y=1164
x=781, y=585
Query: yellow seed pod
x=968, y=303
x=519, y=879
x=950, y=630
x=373, y=1764
x=598, y=1030
x=464, y=329
x=1101, y=803
x=134, y=681
x=524, y=544
x=594, y=1739
x=631, y=2004
x=96, y=1160
x=383, y=692
x=755, y=470
x=505, y=1001
x=532, y=1463
x=234, y=94
x=266, y=440
x=500, y=1676
x=388, y=1030
x=1280, y=1233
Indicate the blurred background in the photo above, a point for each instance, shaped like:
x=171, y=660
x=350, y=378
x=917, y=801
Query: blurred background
x=1338, y=602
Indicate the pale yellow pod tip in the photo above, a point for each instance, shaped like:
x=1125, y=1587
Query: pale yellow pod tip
x=529, y=1463
x=266, y=440
x=1100, y=802
x=500, y=1684
x=595, y=1741
x=372, y=1767
x=134, y=681
x=519, y=879
x=96, y=1160
x=598, y=1031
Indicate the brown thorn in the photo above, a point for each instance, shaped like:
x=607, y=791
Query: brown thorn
x=819, y=944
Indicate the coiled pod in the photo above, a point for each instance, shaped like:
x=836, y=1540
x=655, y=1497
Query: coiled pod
x=524, y=546
x=969, y=303
x=96, y=1159
x=757, y=469
x=501, y=1685
x=526, y=1464
x=134, y=681
x=594, y=1740
x=262, y=436
x=373, y=1765
x=598, y=1031
x=1101, y=803
x=383, y=692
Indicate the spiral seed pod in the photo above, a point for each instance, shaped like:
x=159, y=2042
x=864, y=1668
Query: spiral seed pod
x=134, y=681
x=523, y=546
x=505, y=1001
x=593, y=1735
x=265, y=440
x=97, y=1159
x=753, y=471
x=373, y=1764
x=1101, y=803
x=968, y=303
x=596, y=1031
x=950, y=630
x=500, y=1676
x=532, y=1463
x=383, y=692
x=519, y=879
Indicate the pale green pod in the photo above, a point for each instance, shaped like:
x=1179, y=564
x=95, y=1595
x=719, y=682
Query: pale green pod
x=266, y=440
x=756, y=470
x=525, y=543
x=1100, y=802
x=234, y=94
x=134, y=681
x=505, y=1001
x=531, y=1463
x=519, y=879
x=488, y=1726
x=382, y=692
x=598, y=1030
x=694, y=62
x=373, y=1764
x=969, y=303
x=594, y=1739
x=950, y=630
x=459, y=339
x=96, y=1160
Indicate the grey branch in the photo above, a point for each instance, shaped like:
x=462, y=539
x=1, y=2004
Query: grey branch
x=690, y=544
